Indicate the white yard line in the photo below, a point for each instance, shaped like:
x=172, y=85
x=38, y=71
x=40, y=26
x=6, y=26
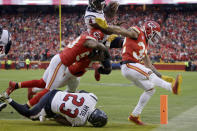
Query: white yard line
x=186, y=121
x=107, y=84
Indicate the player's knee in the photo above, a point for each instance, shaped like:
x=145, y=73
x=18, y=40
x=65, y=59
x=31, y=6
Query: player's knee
x=151, y=91
x=42, y=83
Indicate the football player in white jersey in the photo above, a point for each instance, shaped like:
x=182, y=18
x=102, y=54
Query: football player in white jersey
x=70, y=109
x=5, y=44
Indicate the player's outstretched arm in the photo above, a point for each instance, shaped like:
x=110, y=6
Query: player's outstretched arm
x=112, y=29
x=123, y=32
x=148, y=64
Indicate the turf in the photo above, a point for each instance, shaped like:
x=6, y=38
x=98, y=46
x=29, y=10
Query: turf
x=117, y=97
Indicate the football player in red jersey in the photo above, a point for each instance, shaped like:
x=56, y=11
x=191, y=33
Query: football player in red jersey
x=144, y=76
x=69, y=76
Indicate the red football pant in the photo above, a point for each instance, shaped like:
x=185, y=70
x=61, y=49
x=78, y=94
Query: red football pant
x=33, y=83
x=37, y=98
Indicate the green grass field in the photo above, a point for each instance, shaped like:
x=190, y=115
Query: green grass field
x=117, y=97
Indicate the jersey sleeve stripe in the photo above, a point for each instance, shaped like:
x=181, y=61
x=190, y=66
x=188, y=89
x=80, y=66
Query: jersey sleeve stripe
x=138, y=70
x=91, y=38
x=90, y=16
x=54, y=75
x=94, y=97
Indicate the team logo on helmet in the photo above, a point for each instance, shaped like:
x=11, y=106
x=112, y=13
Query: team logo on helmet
x=152, y=31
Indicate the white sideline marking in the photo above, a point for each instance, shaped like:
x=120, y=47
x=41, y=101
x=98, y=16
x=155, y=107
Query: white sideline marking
x=186, y=121
x=107, y=84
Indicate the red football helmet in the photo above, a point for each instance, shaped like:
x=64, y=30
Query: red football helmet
x=97, y=34
x=152, y=31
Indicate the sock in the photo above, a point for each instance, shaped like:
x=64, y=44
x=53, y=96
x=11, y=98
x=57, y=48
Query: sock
x=33, y=83
x=160, y=82
x=144, y=98
x=36, y=98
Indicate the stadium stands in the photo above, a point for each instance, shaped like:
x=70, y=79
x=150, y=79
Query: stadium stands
x=35, y=30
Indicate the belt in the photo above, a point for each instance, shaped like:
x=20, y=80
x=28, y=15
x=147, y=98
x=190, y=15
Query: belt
x=126, y=62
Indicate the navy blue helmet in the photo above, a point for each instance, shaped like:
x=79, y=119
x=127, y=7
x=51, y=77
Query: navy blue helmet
x=98, y=118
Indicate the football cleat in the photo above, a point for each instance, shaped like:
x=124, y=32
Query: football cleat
x=136, y=120
x=11, y=88
x=3, y=97
x=2, y=106
x=177, y=85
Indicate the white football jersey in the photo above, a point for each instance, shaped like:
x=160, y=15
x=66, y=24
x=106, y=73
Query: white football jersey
x=75, y=107
x=5, y=37
x=90, y=16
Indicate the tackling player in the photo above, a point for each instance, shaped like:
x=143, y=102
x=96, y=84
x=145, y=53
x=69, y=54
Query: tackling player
x=5, y=44
x=68, y=77
x=144, y=76
x=70, y=109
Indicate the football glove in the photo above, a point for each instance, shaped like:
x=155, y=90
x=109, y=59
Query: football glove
x=102, y=23
x=111, y=38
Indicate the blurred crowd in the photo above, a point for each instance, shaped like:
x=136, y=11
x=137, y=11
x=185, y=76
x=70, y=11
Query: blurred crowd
x=35, y=31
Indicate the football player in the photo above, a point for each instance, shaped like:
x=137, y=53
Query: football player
x=144, y=76
x=70, y=109
x=68, y=77
x=5, y=44
x=97, y=9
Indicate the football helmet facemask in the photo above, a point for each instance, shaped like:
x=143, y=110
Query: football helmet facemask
x=98, y=118
x=98, y=5
x=152, y=32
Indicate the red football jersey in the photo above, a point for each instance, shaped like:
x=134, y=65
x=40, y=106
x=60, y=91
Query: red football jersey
x=79, y=68
x=134, y=50
x=75, y=51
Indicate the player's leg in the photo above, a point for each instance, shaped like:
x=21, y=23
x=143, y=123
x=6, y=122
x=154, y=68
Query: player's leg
x=25, y=84
x=172, y=87
x=140, y=78
x=33, y=101
x=25, y=111
x=57, y=74
x=54, y=79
